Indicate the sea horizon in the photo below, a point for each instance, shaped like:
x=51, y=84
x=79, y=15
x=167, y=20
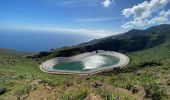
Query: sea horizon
x=28, y=41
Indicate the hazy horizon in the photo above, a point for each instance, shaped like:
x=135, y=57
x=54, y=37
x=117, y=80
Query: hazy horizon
x=38, y=41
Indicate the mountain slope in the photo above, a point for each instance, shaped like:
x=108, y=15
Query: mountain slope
x=9, y=52
x=133, y=40
x=147, y=76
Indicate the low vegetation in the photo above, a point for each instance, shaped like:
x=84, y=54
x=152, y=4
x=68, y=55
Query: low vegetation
x=147, y=76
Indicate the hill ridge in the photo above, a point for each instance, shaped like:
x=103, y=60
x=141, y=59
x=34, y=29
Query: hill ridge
x=131, y=41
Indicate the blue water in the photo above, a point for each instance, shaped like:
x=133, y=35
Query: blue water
x=106, y=60
x=39, y=41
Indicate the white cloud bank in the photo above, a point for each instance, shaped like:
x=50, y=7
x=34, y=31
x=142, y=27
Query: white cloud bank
x=107, y=3
x=147, y=13
x=57, y=30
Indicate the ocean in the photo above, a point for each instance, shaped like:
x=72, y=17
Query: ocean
x=39, y=41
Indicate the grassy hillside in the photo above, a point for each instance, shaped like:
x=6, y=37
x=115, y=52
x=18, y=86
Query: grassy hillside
x=146, y=77
x=134, y=40
x=9, y=52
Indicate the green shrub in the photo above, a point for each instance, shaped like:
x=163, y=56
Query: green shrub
x=105, y=94
x=2, y=90
x=26, y=89
x=78, y=95
x=153, y=91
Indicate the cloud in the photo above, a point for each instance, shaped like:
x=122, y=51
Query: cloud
x=98, y=33
x=89, y=20
x=107, y=3
x=147, y=13
x=163, y=17
x=81, y=3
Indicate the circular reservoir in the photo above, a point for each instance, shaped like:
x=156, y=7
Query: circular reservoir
x=86, y=63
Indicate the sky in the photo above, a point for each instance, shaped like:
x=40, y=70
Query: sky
x=96, y=18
